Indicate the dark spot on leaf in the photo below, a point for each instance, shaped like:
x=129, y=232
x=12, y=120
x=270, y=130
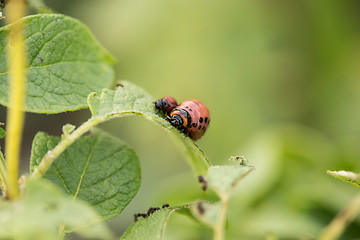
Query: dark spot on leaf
x=41, y=60
x=166, y=205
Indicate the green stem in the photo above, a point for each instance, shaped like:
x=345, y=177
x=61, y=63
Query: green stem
x=15, y=117
x=3, y=173
x=219, y=228
x=67, y=140
x=62, y=231
x=339, y=223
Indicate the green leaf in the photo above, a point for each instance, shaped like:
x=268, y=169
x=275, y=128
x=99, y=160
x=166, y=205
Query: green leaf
x=42, y=209
x=67, y=129
x=129, y=100
x=2, y=133
x=224, y=179
x=206, y=212
x=100, y=169
x=65, y=64
x=350, y=177
x=150, y=228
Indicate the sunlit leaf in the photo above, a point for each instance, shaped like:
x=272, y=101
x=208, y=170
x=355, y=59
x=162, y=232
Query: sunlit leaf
x=224, y=179
x=350, y=177
x=206, y=212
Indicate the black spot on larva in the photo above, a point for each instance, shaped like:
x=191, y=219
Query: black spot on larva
x=173, y=103
x=186, y=106
x=199, y=127
x=206, y=119
x=190, y=110
x=201, y=120
x=203, y=128
x=194, y=124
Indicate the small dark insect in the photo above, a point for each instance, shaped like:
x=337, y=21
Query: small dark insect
x=165, y=205
x=148, y=213
x=152, y=210
x=166, y=104
x=136, y=216
x=41, y=60
x=201, y=209
x=203, y=182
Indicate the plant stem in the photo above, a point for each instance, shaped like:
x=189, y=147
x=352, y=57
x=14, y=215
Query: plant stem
x=219, y=228
x=62, y=231
x=51, y=155
x=15, y=117
x=339, y=223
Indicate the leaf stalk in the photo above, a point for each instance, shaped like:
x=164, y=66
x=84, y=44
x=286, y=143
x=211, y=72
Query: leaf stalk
x=340, y=222
x=67, y=140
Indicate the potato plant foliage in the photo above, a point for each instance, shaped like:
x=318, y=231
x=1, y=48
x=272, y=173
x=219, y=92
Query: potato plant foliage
x=86, y=176
x=93, y=176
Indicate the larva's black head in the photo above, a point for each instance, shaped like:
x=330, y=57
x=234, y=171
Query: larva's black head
x=161, y=104
x=176, y=121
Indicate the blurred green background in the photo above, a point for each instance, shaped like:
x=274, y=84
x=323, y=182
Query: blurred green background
x=282, y=82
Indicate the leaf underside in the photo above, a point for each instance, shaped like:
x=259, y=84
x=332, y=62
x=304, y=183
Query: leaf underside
x=65, y=64
x=130, y=100
x=150, y=228
x=99, y=169
x=224, y=179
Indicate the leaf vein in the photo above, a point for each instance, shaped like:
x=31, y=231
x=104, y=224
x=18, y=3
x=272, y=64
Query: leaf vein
x=86, y=166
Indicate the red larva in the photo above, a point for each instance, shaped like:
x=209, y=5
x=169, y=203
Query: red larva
x=166, y=104
x=192, y=117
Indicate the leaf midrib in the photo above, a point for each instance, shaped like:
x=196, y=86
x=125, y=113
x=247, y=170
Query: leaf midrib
x=86, y=166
